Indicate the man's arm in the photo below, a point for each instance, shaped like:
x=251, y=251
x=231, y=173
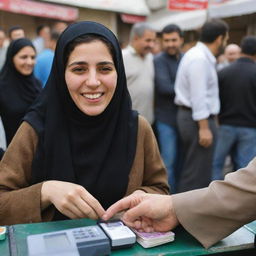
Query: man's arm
x=145, y=212
x=204, y=133
x=198, y=82
x=212, y=213
x=209, y=214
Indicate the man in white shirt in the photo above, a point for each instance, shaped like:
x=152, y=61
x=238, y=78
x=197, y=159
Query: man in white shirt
x=139, y=69
x=197, y=96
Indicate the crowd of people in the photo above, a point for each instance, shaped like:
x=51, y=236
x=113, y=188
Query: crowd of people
x=203, y=106
x=88, y=123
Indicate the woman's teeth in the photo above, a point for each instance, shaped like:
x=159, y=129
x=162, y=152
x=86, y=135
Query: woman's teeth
x=92, y=96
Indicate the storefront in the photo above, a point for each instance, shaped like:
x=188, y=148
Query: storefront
x=118, y=15
x=239, y=14
x=30, y=14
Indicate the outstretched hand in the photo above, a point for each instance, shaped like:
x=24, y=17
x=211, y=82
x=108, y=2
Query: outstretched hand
x=145, y=212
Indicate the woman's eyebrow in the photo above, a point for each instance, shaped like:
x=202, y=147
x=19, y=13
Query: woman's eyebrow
x=105, y=63
x=86, y=63
x=77, y=63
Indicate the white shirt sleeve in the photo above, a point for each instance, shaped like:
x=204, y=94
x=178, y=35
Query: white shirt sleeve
x=198, y=79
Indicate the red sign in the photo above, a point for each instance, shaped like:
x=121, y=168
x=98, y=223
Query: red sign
x=216, y=2
x=127, y=18
x=40, y=9
x=187, y=5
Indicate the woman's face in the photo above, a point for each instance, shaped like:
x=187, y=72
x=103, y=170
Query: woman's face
x=24, y=60
x=91, y=77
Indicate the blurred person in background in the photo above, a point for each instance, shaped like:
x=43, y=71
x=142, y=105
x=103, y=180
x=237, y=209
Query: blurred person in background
x=231, y=54
x=139, y=69
x=3, y=50
x=16, y=32
x=237, y=130
x=18, y=86
x=157, y=48
x=43, y=36
x=59, y=26
x=3, y=47
x=197, y=95
x=166, y=65
x=45, y=58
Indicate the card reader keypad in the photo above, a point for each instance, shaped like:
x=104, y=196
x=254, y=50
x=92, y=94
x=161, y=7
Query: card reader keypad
x=84, y=233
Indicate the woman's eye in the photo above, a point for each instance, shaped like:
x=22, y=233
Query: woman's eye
x=105, y=69
x=78, y=69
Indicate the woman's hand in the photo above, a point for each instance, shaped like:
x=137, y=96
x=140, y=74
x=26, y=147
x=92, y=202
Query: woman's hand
x=70, y=199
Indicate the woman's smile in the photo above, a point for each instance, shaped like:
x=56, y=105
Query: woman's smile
x=93, y=96
x=91, y=77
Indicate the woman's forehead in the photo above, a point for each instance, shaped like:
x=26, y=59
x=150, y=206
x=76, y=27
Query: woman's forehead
x=92, y=52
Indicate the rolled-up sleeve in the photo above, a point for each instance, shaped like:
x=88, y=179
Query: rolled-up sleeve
x=198, y=78
x=212, y=213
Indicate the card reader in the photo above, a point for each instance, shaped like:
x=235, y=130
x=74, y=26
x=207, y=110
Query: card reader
x=97, y=240
x=120, y=235
x=89, y=241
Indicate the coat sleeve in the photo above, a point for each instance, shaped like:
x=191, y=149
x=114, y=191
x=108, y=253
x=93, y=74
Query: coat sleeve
x=148, y=172
x=19, y=201
x=212, y=213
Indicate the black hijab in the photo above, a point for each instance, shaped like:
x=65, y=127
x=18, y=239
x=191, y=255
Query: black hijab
x=17, y=91
x=96, y=152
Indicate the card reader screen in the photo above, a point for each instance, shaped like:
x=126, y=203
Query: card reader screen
x=56, y=241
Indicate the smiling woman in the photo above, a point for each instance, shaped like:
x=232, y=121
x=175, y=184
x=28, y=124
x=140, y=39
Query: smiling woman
x=18, y=86
x=81, y=147
x=90, y=75
x=24, y=60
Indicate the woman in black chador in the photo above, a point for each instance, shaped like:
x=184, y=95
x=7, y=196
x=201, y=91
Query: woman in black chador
x=18, y=86
x=81, y=147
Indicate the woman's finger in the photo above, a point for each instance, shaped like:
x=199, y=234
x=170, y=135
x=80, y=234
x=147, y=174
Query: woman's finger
x=86, y=210
x=93, y=203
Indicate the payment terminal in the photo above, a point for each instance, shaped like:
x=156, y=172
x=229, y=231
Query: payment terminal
x=89, y=241
x=97, y=240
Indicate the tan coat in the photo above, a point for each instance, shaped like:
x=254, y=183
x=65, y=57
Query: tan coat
x=212, y=213
x=20, y=202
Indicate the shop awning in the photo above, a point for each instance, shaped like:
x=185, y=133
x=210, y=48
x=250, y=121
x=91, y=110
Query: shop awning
x=190, y=20
x=39, y=9
x=233, y=8
x=185, y=20
x=136, y=7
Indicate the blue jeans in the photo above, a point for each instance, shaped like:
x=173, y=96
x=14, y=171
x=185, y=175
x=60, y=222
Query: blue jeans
x=238, y=141
x=167, y=139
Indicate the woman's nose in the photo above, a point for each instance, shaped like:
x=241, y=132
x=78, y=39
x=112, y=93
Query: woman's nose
x=30, y=61
x=92, y=79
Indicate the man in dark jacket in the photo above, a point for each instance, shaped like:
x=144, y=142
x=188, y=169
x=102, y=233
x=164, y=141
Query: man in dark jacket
x=166, y=65
x=237, y=118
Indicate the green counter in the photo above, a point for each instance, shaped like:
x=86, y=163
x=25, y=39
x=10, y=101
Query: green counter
x=184, y=244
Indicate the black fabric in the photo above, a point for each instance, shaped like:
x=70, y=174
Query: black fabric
x=165, y=74
x=237, y=89
x=96, y=152
x=17, y=91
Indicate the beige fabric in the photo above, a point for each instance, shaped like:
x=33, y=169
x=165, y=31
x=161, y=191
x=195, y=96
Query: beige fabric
x=140, y=81
x=20, y=202
x=212, y=213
